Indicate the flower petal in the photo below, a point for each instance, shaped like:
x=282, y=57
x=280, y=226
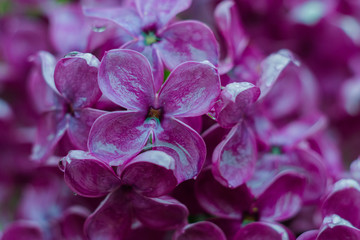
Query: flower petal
x=150, y=173
x=80, y=125
x=51, y=128
x=235, y=101
x=228, y=21
x=219, y=200
x=72, y=222
x=335, y=227
x=126, y=18
x=271, y=67
x=264, y=231
x=151, y=53
x=76, y=79
x=283, y=198
x=87, y=176
x=344, y=201
x=191, y=90
x=125, y=77
x=187, y=41
x=160, y=12
x=235, y=157
x=23, y=230
x=117, y=136
x=112, y=219
x=200, y=231
x=182, y=143
x=309, y=235
x=160, y=213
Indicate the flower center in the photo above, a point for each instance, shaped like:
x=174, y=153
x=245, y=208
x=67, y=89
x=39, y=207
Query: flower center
x=276, y=150
x=154, y=113
x=150, y=38
x=70, y=109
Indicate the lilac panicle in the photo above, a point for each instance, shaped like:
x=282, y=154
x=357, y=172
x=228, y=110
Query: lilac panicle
x=125, y=77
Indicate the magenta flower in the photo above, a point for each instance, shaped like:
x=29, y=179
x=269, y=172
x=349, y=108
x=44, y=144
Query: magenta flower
x=137, y=191
x=200, y=231
x=151, y=32
x=125, y=77
x=65, y=100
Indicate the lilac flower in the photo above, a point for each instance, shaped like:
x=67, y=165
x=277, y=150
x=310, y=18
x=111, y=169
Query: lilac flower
x=125, y=77
x=152, y=33
x=64, y=100
x=137, y=191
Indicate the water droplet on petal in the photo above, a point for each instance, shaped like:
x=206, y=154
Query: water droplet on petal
x=72, y=54
x=99, y=29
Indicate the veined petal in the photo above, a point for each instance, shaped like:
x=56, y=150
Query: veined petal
x=151, y=173
x=51, y=128
x=160, y=213
x=283, y=198
x=183, y=144
x=80, y=125
x=125, y=18
x=235, y=157
x=160, y=12
x=264, y=231
x=235, y=100
x=125, y=77
x=334, y=228
x=344, y=201
x=88, y=176
x=118, y=136
x=200, y=231
x=151, y=53
x=76, y=79
x=112, y=219
x=187, y=41
x=219, y=200
x=191, y=90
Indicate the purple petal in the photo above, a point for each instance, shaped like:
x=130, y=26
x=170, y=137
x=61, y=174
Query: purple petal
x=200, y=231
x=153, y=56
x=150, y=173
x=23, y=230
x=80, y=124
x=69, y=30
x=235, y=101
x=183, y=144
x=191, y=90
x=125, y=77
x=271, y=67
x=160, y=213
x=76, y=79
x=112, y=219
x=219, y=200
x=48, y=63
x=283, y=198
x=51, y=128
x=160, y=12
x=235, y=157
x=117, y=136
x=126, y=18
x=344, y=201
x=263, y=231
x=87, y=176
x=309, y=235
x=335, y=228
x=72, y=222
x=187, y=41
x=193, y=122
x=228, y=21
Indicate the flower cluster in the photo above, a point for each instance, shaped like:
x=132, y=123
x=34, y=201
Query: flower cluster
x=179, y=120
